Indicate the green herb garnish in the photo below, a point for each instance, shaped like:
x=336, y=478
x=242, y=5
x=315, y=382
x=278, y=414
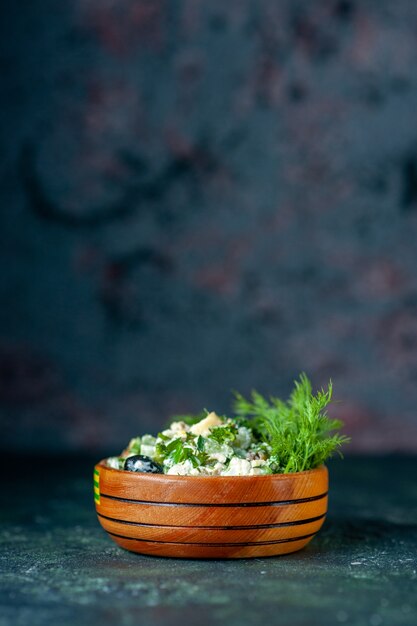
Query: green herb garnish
x=223, y=434
x=177, y=451
x=299, y=432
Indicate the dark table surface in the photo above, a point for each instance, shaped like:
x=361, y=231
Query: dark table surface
x=58, y=567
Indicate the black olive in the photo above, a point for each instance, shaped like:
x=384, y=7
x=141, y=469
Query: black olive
x=141, y=463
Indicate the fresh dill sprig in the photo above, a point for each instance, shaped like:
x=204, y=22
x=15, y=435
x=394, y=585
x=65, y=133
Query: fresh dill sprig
x=299, y=431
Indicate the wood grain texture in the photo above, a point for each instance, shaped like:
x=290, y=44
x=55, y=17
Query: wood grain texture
x=211, y=516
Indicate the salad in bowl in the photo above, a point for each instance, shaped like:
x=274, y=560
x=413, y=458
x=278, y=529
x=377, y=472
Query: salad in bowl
x=249, y=485
x=264, y=436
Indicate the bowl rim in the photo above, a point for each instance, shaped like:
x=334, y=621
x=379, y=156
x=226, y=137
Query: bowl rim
x=175, y=477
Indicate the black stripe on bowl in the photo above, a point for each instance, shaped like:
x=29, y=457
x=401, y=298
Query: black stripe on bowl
x=217, y=504
x=216, y=545
x=301, y=522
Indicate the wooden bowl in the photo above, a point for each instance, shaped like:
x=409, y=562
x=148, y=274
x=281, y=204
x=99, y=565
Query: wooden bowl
x=210, y=516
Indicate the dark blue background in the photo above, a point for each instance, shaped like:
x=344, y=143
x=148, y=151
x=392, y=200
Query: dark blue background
x=200, y=196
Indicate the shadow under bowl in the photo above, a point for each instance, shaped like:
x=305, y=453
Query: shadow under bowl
x=210, y=516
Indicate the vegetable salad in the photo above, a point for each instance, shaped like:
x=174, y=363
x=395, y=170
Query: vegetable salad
x=214, y=446
x=266, y=436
